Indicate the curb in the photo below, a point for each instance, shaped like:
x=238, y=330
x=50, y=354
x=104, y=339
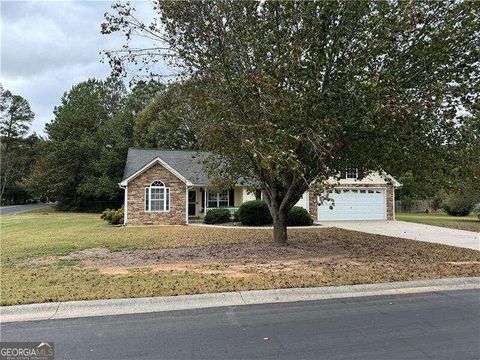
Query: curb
x=77, y=309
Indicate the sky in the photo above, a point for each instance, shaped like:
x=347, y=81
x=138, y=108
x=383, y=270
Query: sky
x=49, y=46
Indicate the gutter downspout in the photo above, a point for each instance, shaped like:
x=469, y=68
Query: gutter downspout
x=125, y=203
x=205, y=202
x=393, y=200
x=186, y=204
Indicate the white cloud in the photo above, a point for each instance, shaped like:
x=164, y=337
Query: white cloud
x=48, y=46
x=45, y=89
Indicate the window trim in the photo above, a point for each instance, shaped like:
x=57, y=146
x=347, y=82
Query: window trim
x=351, y=171
x=160, y=185
x=217, y=197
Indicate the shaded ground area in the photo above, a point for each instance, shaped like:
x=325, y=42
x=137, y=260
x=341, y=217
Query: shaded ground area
x=319, y=259
x=200, y=254
x=232, y=260
x=76, y=256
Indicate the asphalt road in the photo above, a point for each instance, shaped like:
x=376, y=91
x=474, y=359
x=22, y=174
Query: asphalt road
x=417, y=326
x=15, y=209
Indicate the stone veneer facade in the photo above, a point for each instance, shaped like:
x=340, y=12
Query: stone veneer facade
x=136, y=214
x=390, y=192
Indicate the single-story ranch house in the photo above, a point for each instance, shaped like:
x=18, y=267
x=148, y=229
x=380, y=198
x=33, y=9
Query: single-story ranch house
x=171, y=187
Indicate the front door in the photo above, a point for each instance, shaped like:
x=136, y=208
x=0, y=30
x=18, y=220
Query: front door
x=192, y=203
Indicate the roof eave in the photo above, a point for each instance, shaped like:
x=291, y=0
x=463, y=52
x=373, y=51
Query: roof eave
x=125, y=181
x=394, y=181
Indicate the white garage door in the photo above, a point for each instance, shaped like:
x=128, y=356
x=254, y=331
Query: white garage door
x=354, y=204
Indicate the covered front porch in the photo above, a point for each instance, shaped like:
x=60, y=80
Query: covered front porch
x=201, y=199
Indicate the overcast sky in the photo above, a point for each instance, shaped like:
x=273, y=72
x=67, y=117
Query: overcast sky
x=48, y=46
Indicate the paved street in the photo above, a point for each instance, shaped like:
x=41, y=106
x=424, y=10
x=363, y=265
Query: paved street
x=442, y=325
x=16, y=209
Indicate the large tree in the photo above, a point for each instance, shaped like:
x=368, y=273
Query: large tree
x=114, y=138
x=73, y=146
x=168, y=122
x=15, y=119
x=87, y=142
x=295, y=92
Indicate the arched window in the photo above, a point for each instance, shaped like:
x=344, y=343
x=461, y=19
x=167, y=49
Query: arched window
x=157, y=197
x=157, y=183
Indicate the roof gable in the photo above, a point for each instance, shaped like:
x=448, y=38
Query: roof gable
x=186, y=165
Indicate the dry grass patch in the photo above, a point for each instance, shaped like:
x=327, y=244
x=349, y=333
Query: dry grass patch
x=469, y=223
x=85, y=259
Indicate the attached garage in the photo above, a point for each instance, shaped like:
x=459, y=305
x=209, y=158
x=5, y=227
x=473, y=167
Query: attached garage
x=354, y=204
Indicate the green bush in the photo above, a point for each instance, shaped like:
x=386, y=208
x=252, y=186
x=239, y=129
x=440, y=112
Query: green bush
x=408, y=203
x=298, y=216
x=217, y=216
x=436, y=203
x=254, y=213
x=113, y=216
x=235, y=216
x=458, y=204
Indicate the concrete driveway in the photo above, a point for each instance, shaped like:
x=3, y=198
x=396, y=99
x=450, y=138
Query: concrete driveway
x=407, y=230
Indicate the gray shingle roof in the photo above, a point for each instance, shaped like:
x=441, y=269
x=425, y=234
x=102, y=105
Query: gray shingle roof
x=187, y=163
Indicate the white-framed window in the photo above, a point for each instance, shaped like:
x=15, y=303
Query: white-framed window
x=220, y=199
x=351, y=173
x=157, y=197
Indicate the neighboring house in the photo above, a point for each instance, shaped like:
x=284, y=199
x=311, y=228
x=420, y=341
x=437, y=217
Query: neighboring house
x=171, y=187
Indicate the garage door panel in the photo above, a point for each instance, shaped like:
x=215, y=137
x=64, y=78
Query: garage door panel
x=356, y=204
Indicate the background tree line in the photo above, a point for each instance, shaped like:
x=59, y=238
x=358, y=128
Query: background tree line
x=18, y=149
x=79, y=161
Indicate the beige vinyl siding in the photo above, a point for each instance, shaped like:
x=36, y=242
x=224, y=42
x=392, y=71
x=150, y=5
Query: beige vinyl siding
x=238, y=196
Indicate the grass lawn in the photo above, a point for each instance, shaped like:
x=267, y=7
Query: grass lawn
x=55, y=256
x=470, y=222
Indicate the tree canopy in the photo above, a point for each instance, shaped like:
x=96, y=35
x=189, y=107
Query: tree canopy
x=168, y=122
x=295, y=92
x=16, y=116
x=17, y=149
x=87, y=142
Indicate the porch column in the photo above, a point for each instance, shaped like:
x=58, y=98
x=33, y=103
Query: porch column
x=205, y=205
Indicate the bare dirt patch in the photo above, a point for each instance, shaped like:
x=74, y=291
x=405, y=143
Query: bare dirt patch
x=231, y=253
x=232, y=260
x=234, y=270
x=310, y=254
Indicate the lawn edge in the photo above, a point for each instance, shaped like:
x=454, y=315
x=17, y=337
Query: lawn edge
x=78, y=309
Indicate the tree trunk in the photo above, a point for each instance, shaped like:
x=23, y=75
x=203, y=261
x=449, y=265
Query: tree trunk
x=3, y=185
x=280, y=229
